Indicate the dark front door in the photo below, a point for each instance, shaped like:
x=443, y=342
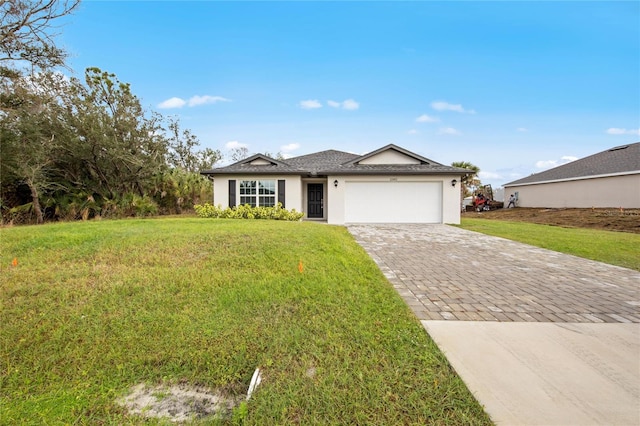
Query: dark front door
x=315, y=195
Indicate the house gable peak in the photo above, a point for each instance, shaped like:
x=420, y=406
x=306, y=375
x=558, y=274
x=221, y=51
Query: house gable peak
x=258, y=160
x=392, y=155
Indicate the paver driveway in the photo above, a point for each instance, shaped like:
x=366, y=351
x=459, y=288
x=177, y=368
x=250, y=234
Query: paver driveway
x=539, y=337
x=447, y=273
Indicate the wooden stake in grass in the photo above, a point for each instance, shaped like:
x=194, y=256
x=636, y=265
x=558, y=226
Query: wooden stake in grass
x=300, y=267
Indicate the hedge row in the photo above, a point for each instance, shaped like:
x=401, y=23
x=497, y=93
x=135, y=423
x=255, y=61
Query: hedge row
x=247, y=212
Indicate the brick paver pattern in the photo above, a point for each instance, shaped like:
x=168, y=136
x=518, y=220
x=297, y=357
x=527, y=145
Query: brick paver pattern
x=447, y=273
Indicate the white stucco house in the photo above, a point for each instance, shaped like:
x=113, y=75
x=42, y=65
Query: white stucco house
x=609, y=178
x=388, y=185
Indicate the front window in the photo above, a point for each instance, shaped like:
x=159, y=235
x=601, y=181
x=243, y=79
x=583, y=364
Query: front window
x=258, y=193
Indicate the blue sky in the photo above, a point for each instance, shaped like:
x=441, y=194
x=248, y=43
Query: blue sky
x=513, y=87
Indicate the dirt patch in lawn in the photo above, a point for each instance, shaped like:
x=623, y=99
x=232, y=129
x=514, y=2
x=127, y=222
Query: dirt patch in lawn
x=179, y=403
x=625, y=220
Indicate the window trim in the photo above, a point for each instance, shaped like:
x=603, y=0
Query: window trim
x=258, y=192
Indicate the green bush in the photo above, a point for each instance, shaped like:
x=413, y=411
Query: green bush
x=277, y=212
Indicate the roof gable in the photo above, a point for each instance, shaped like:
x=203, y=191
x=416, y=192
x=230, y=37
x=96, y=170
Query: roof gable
x=256, y=164
x=623, y=159
x=389, y=156
x=257, y=160
x=392, y=154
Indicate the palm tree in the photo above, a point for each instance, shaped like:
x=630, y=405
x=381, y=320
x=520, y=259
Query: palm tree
x=469, y=180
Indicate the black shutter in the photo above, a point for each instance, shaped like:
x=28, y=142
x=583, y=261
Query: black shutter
x=232, y=193
x=281, y=192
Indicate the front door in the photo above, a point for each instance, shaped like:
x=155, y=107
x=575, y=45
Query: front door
x=315, y=195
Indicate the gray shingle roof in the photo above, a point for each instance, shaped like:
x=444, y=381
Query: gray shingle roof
x=618, y=160
x=319, y=161
x=335, y=162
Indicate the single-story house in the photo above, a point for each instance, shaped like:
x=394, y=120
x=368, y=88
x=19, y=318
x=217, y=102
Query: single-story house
x=609, y=178
x=388, y=185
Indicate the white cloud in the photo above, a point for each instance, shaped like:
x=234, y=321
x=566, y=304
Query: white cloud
x=310, y=104
x=522, y=129
x=348, y=104
x=448, y=131
x=172, y=103
x=290, y=147
x=202, y=100
x=235, y=145
x=412, y=132
x=489, y=175
x=446, y=106
x=548, y=164
x=193, y=101
x=618, y=131
x=424, y=118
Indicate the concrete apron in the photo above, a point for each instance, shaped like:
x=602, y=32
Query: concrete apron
x=547, y=373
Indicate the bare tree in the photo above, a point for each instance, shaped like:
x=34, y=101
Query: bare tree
x=239, y=153
x=27, y=31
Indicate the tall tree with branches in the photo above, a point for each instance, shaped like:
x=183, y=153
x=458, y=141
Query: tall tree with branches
x=27, y=31
x=29, y=91
x=30, y=133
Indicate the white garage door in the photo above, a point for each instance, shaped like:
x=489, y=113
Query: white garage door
x=393, y=202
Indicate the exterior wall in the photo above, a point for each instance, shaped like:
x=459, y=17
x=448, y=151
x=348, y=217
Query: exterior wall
x=390, y=156
x=334, y=209
x=614, y=191
x=293, y=189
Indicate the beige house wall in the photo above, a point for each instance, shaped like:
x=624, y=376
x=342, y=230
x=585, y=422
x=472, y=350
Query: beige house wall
x=613, y=191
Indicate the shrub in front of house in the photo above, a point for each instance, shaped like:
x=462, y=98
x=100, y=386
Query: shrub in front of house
x=276, y=212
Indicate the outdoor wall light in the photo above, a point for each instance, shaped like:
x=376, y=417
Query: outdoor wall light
x=453, y=182
x=335, y=183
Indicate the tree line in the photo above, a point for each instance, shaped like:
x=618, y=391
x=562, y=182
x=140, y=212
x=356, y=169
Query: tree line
x=78, y=149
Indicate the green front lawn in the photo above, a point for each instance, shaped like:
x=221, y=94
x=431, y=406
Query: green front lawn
x=95, y=308
x=615, y=248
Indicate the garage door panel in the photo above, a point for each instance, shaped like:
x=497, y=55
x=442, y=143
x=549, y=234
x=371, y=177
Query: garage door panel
x=393, y=202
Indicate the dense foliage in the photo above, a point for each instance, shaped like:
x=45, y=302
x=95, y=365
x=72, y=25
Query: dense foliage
x=77, y=150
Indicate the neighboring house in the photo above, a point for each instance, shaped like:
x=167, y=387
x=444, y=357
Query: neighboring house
x=608, y=179
x=389, y=185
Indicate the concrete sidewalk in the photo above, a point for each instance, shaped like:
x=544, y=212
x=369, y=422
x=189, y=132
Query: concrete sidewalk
x=547, y=373
x=539, y=337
